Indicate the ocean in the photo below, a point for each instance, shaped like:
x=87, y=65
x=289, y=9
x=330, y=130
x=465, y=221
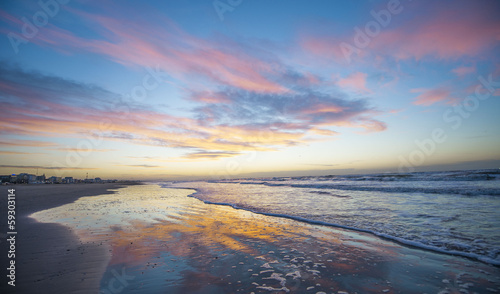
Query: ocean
x=454, y=212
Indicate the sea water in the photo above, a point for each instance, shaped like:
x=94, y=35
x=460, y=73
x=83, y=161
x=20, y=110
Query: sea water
x=455, y=212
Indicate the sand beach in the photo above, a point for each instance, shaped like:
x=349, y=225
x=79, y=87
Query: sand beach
x=149, y=239
x=49, y=256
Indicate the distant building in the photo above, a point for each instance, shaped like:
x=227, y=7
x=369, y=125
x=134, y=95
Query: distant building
x=25, y=178
x=22, y=178
x=40, y=179
x=55, y=180
x=31, y=179
x=5, y=179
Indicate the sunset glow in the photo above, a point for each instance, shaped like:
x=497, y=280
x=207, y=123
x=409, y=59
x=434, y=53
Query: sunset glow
x=174, y=89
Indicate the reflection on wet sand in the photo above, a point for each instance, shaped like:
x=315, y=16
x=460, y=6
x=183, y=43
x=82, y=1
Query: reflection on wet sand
x=162, y=241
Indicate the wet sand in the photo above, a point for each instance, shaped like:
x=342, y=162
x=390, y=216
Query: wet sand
x=162, y=241
x=49, y=257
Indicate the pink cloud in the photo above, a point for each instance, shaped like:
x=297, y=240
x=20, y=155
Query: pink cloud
x=463, y=70
x=372, y=125
x=218, y=127
x=431, y=96
x=326, y=47
x=356, y=81
x=446, y=34
x=471, y=28
x=182, y=55
x=210, y=97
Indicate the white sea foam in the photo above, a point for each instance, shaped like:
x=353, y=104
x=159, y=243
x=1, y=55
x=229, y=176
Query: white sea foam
x=449, y=212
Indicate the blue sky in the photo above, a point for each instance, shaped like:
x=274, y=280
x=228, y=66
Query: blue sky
x=170, y=89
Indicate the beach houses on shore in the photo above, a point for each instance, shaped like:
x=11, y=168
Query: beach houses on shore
x=25, y=178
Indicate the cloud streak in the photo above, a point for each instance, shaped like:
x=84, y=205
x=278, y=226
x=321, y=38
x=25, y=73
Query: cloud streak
x=168, y=46
x=356, y=81
x=27, y=143
x=18, y=153
x=432, y=96
x=140, y=165
x=45, y=167
x=428, y=31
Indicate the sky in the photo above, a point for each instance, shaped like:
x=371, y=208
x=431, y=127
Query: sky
x=238, y=88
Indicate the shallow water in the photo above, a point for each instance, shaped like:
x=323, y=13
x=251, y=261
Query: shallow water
x=162, y=241
x=455, y=212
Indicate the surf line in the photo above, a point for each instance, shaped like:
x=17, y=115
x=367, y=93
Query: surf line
x=401, y=241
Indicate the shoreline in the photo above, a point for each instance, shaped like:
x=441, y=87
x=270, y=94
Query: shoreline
x=49, y=256
x=399, y=241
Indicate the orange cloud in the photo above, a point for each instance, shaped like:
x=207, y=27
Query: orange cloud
x=247, y=92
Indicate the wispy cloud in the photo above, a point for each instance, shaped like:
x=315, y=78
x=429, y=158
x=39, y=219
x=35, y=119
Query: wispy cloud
x=321, y=164
x=463, y=70
x=246, y=97
x=46, y=167
x=288, y=116
x=356, y=81
x=19, y=153
x=26, y=143
x=139, y=165
x=248, y=120
x=143, y=157
x=468, y=30
x=167, y=45
x=83, y=150
x=209, y=155
x=431, y=96
x=434, y=31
